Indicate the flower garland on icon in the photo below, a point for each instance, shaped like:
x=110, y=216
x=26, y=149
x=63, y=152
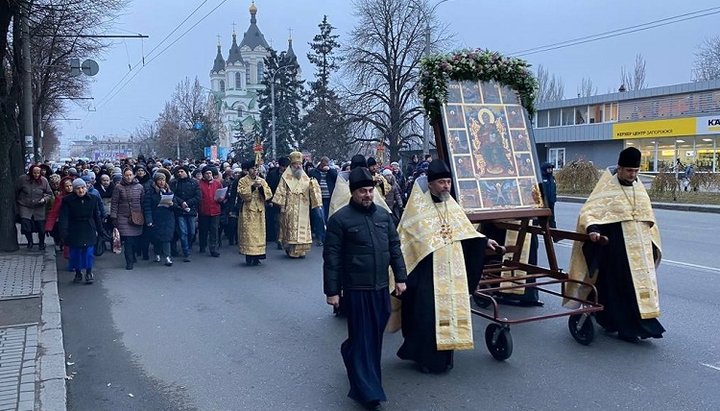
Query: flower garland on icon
x=474, y=65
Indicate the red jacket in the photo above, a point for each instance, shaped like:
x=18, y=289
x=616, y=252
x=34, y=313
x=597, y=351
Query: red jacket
x=208, y=205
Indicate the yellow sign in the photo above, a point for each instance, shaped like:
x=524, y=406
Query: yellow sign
x=657, y=128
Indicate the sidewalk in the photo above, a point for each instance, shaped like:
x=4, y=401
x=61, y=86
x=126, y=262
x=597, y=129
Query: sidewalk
x=32, y=356
x=702, y=208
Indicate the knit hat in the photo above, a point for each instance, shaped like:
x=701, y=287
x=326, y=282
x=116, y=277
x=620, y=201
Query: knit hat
x=79, y=182
x=89, y=176
x=387, y=172
x=358, y=160
x=161, y=173
x=360, y=177
x=371, y=161
x=212, y=169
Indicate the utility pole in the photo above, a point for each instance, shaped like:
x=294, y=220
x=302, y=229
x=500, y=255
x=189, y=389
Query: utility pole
x=426, y=123
x=27, y=103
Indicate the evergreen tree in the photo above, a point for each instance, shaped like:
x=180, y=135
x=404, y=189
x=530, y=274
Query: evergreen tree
x=288, y=102
x=205, y=135
x=242, y=145
x=326, y=129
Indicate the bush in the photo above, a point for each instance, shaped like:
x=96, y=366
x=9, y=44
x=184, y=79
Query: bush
x=578, y=177
x=665, y=181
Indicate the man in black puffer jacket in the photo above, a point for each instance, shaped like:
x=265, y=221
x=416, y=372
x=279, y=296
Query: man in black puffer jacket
x=187, y=193
x=360, y=244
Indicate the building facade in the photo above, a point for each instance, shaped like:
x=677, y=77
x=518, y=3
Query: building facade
x=665, y=123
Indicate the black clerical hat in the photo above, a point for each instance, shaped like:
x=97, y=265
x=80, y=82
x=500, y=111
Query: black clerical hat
x=437, y=169
x=284, y=161
x=247, y=165
x=360, y=177
x=630, y=157
x=371, y=161
x=358, y=160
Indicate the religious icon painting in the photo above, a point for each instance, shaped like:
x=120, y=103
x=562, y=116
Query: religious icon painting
x=491, y=93
x=515, y=116
x=520, y=140
x=529, y=192
x=464, y=167
x=469, y=195
x=500, y=193
x=454, y=93
x=459, y=142
x=525, y=165
x=509, y=96
x=454, y=116
x=471, y=92
x=490, y=142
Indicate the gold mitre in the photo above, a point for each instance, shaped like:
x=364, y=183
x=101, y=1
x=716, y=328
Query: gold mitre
x=296, y=157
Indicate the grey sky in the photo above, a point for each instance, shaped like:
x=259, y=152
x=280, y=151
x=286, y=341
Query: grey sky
x=506, y=26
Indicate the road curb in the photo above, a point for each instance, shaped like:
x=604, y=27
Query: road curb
x=51, y=351
x=658, y=206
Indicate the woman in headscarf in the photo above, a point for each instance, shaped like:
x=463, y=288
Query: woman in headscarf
x=160, y=215
x=127, y=198
x=80, y=226
x=32, y=193
x=53, y=215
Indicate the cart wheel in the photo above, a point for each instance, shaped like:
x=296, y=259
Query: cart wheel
x=582, y=328
x=480, y=301
x=499, y=341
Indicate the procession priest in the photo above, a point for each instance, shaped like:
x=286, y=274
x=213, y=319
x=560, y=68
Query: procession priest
x=341, y=195
x=296, y=195
x=444, y=255
x=253, y=190
x=623, y=270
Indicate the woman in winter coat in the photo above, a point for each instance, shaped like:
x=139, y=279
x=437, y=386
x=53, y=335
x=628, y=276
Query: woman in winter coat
x=51, y=226
x=160, y=217
x=127, y=198
x=32, y=193
x=80, y=225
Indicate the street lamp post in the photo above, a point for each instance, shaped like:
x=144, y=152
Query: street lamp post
x=272, y=108
x=426, y=52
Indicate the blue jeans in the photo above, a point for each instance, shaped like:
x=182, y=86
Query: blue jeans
x=186, y=226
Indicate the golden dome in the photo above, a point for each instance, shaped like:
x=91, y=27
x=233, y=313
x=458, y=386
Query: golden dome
x=253, y=8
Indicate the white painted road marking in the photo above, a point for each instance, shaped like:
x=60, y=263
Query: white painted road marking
x=710, y=366
x=666, y=261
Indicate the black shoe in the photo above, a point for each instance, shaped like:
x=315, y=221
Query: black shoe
x=168, y=262
x=42, y=247
x=187, y=259
x=629, y=338
x=78, y=277
x=129, y=266
x=373, y=405
x=89, y=277
x=215, y=254
x=29, y=246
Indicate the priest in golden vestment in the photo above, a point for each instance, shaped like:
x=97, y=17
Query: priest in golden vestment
x=296, y=195
x=623, y=271
x=383, y=186
x=341, y=195
x=444, y=254
x=253, y=190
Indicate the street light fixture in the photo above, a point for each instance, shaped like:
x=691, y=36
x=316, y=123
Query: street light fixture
x=272, y=107
x=416, y=4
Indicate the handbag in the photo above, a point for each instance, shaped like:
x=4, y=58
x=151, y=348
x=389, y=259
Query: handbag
x=116, y=241
x=136, y=217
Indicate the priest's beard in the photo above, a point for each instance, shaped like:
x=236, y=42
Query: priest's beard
x=297, y=172
x=444, y=196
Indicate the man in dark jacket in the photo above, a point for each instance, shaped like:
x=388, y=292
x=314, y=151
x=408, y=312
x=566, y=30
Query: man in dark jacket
x=326, y=177
x=187, y=194
x=549, y=189
x=361, y=243
x=271, y=211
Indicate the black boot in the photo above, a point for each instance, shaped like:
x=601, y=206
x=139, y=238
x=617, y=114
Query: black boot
x=29, y=241
x=78, y=276
x=89, y=277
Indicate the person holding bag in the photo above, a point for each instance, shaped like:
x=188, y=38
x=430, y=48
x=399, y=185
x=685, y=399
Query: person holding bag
x=126, y=213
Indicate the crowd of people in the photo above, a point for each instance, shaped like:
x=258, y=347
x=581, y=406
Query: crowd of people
x=381, y=229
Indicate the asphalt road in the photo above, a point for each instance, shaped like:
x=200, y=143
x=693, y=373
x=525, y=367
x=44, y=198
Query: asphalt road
x=216, y=335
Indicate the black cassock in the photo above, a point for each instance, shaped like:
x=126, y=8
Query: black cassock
x=367, y=315
x=418, y=309
x=616, y=291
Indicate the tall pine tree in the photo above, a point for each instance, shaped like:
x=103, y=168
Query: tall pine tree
x=284, y=69
x=326, y=129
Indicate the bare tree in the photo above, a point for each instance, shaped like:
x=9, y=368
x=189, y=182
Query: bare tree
x=634, y=80
x=550, y=86
x=586, y=88
x=382, y=59
x=707, y=60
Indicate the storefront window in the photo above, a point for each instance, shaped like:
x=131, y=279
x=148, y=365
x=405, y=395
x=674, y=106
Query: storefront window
x=611, y=112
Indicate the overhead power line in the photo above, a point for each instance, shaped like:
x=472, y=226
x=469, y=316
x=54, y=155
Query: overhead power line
x=620, y=32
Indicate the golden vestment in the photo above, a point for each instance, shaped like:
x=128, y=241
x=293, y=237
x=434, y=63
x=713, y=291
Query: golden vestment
x=382, y=186
x=611, y=202
x=434, y=228
x=296, y=197
x=341, y=195
x=251, y=225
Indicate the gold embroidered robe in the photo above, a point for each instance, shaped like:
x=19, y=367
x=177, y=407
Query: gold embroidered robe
x=610, y=202
x=296, y=197
x=422, y=232
x=341, y=195
x=251, y=224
